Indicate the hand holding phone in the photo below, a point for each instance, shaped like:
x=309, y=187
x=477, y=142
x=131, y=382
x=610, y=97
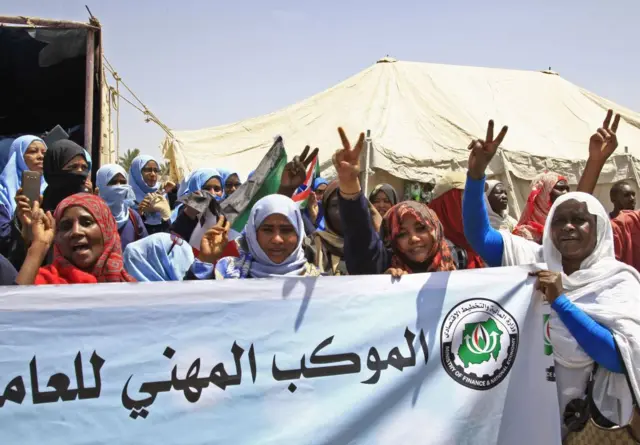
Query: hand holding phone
x=31, y=185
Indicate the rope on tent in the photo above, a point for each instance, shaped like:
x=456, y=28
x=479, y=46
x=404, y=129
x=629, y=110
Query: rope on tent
x=140, y=106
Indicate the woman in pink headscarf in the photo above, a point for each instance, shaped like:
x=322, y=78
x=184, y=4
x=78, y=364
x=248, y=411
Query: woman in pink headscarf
x=545, y=189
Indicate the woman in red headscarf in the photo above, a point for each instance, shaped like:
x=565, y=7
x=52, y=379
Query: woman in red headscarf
x=545, y=189
x=415, y=236
x=86, y=244
x=448, y=207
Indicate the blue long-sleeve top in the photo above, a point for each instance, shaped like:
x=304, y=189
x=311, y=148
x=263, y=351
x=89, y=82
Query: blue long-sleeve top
x=364, y=251
x=596, y=340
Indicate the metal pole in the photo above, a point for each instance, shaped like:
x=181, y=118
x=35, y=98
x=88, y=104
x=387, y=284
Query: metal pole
x=88, y=97
x=367, y=162
x=512, y=189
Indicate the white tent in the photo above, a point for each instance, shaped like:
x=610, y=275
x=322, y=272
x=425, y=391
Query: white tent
x=421, y=118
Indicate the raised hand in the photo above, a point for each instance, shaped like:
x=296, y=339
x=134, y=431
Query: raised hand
x=604, y=141
x=214, y=241
x=23, y=209
x=482, y=151
x=43, y=227
x=312, y=205
x=145, y=205
x=169, y=186
x=347, y=163
x=158, y=203
x=295, y=172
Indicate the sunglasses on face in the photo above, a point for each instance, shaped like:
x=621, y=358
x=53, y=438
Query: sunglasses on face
x=215, y=188
x=150, y=170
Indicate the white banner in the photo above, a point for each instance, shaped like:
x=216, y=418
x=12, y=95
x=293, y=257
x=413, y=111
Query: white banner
x=445, y=358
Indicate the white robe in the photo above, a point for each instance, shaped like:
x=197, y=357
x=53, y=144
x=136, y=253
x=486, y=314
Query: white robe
x=609, y=292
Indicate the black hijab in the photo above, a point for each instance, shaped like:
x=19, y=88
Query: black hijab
x=61, y=183
x=388, y=190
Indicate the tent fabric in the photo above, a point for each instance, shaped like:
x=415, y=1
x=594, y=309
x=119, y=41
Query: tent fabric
x=422, y=117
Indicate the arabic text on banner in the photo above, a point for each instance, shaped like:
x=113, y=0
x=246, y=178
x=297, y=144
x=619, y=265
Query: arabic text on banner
x=445, y=358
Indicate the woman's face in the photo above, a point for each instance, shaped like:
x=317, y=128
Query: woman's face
x=118, y=180
x=561, y=188
x=573, y=231
x=320, y=192
x=232, y=184
x=79, y=238
x=277, y=237
x=77, y=164
x=34, y=156
x=498, y=198
x=213, y=186
x=333, y=213
x=414, y=240
x=382, y=203
x=150, y=173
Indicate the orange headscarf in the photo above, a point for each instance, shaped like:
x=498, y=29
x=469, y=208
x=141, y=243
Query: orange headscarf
x=108, y=268
x=534, y=216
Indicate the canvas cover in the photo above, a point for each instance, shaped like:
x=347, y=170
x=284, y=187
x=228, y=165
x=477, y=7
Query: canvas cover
x=422, y=117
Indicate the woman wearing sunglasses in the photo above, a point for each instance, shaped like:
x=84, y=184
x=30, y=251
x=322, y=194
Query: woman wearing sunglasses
x=150, y=201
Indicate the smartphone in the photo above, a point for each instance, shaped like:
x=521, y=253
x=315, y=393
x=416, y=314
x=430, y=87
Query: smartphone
x=31, y=185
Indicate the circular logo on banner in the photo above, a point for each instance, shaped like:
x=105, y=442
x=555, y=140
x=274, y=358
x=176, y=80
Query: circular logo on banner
x=478, y=343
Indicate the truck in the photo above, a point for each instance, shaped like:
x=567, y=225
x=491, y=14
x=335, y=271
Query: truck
x=52, y=77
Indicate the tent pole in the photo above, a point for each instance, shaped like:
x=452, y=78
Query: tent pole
x=633, y=166
x=367, y=162
x=88, y=92
x=512, y=189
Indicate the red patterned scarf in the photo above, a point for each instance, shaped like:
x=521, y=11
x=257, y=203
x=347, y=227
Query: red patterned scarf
x=448, y=207
x=534, y=216
x=108, y=268
x=439, y=256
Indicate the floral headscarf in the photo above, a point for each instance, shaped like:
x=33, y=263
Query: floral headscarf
x=110, y=266
x=440, y=258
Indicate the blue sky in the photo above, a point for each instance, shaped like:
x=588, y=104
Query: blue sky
x=201, y=63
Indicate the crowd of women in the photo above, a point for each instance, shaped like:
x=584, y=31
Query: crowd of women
x=132, y=228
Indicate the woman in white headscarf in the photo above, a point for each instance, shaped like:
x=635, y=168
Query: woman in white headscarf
x=271, y=245
x=595, y=298
x=498, y=206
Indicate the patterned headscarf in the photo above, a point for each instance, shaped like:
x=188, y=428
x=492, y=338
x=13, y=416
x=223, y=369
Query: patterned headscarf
x=110, y=266
x=439, y=256
x=534, y=216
